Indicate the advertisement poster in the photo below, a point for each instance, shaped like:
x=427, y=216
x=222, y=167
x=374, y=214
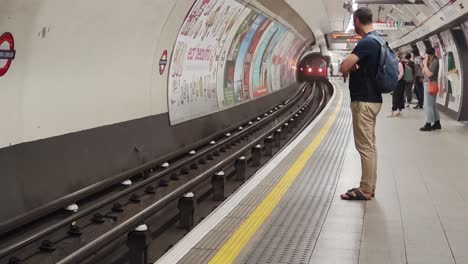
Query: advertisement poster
x=229, y=77
x=193, y=71
x=257, y=68
x=241, y=88
x=226, y=54
x=439, y=51
x=451, y=71
x=421, y=48
x=289, y=70
x=268, y=66
x=248, y=62
x=225, y=77
x=279, y=60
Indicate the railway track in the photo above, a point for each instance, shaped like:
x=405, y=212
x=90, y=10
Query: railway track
x=117, y=220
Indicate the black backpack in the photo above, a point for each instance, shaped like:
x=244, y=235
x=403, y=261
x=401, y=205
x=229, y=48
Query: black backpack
x=386, y=78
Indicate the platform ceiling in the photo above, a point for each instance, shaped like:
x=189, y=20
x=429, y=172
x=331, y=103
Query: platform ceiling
x=325, y=16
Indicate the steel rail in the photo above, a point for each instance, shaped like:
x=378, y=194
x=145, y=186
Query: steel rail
x=155, y=177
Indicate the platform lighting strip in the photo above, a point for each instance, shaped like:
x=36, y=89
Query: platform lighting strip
x=236, y=243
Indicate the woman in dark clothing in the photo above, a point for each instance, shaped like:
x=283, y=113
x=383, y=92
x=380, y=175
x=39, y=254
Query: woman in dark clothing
x=419, y=82
x=399, y=92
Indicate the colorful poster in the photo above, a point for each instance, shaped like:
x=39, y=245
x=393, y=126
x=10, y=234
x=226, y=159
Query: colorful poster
x=193, y=71
x=229, y=77
x=222, y=57
x=241, y=89
x=250, y=56
x=279, y=57
x=256, y=70
x=226, y=77
x=435, y=43
x=451, y=70
x=268, y=66
x=421, y=48
x=289, y=66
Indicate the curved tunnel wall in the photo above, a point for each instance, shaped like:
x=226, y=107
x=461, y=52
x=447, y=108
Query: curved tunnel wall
x=227, y=54
x=84, y=97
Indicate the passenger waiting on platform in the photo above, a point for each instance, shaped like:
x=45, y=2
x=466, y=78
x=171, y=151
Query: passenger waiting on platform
x=418, y=82
x=366, y=101
x=431, y=88
x=409, y=78
x=398, y=103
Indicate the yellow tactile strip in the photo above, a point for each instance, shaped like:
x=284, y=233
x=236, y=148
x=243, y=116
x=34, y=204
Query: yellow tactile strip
x=234, y=245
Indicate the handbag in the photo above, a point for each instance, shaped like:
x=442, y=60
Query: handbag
x=433, y=88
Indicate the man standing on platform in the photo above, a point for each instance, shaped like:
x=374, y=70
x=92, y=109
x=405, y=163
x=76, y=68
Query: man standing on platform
x=366, y=101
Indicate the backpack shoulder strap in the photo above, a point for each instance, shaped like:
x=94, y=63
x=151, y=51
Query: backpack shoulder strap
x=377, y=38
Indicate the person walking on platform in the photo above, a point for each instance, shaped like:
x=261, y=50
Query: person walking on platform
x=409, y=78
x=431, y=88
x=366, y=101
x=398, y=97
x=418, y=82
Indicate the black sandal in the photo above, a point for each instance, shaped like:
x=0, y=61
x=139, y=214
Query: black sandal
x=353, y=189
x=355, y=195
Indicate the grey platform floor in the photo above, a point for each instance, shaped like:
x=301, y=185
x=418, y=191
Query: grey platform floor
x=420, y=213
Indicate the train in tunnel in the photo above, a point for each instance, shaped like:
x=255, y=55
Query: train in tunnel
x=313, y=67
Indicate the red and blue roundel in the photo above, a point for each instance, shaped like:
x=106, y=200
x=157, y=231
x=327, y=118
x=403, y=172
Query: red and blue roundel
x=7, y=52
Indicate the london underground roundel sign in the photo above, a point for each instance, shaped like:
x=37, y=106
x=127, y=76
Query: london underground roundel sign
x=163, y=62
x=7, y=52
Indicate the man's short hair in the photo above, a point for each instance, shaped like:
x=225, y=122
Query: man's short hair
x=364, y=15
x=408, y=56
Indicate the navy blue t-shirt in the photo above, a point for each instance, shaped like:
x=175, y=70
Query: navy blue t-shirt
x=362, y=81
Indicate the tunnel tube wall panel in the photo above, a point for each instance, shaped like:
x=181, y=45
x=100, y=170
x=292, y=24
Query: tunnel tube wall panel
x=38, y=172
x=86, y=96
x=227, y=54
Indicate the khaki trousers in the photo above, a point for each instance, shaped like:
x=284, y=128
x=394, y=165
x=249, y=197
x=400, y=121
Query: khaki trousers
x=364, y=122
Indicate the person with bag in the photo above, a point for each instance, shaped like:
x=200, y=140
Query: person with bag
x=431, y=88
x=373, y=70
x=409, y=78
x=398, y=96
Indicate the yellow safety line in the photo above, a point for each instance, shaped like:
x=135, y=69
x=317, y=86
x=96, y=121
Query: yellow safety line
x=234, y=245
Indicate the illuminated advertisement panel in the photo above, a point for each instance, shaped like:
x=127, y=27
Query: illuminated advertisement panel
x=435, y=43
x=241, y=89
x=228, y=60
x=227, y=54
x=258, y=66
x=249, y=57
x=229, y=77
x=451, y=70
x=193, y=71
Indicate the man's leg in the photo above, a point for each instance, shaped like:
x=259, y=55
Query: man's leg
x=401, y=96
x=375, y=110
x=364, y=137
x=409, y=92
x=418, y=90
